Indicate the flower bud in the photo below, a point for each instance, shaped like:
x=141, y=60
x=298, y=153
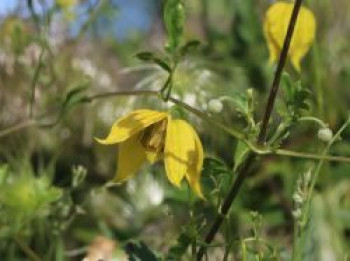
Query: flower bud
x=325, y=134
x=215, y=106
x=296, y=213
x=298, y=199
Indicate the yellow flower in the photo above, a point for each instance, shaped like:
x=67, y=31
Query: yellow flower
x=66, y=4
x=275, y=28
x=67, y=7
x=148, y=135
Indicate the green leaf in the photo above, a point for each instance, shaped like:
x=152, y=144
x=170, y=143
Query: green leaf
x=174, y=20
x=74, y=97
x=4, y=171
x=212, y=166
x=296, y=96
x=287, y=86
x=151, y=57
x=217, y=176
x=178, y=250
x=139, y=251
x=242, y=151
x=189, y=47
x=241, y=102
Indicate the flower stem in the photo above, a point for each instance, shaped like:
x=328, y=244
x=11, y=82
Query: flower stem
x=320, y=165
x=236, y=134
x=35, y=81
x=303, y=155
x=29, y=252
x=295, y=254
x=314, y=119
x=122, y=93
x=17, y=127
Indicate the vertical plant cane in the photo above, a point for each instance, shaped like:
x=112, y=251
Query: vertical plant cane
x=242, y=172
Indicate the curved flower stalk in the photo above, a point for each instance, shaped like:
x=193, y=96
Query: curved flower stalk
x=275, y=29
x=148, y=135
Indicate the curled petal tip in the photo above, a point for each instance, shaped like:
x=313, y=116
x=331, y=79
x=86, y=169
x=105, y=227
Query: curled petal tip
x=101, y=141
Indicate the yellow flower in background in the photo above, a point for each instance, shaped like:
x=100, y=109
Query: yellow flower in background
x=148, y=135
x=66, y=4
x=67, y=7
x=275, y=28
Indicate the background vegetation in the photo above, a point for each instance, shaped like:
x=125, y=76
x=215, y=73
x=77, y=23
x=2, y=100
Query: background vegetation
x=56, y=55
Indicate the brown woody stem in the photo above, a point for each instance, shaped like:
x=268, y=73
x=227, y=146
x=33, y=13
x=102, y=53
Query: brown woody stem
x=242, y=173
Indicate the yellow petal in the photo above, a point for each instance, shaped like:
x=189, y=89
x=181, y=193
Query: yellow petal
x=131, y=155
x=179, y=150
x=275, y=29
x=273, y=47
x=277, y=19
x=131, y=124
x=194, y=172
x=303, y=38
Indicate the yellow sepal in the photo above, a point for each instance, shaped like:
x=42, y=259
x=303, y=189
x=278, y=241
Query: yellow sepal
x=131, y=124
x=275, y=29
x=178, y=151
x=131, y=155
x=194, y=172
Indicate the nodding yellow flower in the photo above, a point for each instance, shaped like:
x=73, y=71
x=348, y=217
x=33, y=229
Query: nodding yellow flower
x=148, y=135
x=67, y=7
x=275, y=28
x=65, y=4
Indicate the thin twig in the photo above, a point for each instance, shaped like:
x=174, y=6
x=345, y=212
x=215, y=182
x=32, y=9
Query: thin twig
x=93, y=12
x=35, y=17
x=203, y=116
x=26, y=249
x=122, y=93
x=303, y=155
x=204, y=16
x=17, y=127
x=35, y=80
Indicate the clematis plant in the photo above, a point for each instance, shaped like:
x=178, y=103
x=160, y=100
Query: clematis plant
x=148, y=135
x=275, y=29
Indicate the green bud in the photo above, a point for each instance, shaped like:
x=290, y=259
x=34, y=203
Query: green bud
x=215, y=106
x=174, y=19
x=297, y=198
x=325, y=134
x=296, y=213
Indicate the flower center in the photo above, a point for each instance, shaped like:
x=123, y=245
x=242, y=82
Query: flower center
x=153, y=137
